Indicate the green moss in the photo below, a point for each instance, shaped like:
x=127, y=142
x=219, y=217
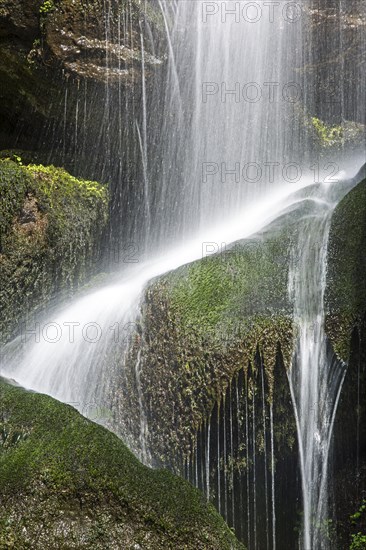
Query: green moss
x=201, y=325
x=63, y=476
x=51, y=228
x=14, y=183
x=326, y=138
x=346, y=284
x=220, y=293
x=56, y=182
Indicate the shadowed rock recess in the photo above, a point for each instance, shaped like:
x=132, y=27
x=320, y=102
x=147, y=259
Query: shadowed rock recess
x=68, y=483
x=46, y=43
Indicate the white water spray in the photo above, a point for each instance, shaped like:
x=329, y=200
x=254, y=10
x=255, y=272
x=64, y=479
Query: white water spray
x=68, y=360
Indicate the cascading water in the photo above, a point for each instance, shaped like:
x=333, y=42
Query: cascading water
x=230, y=99
x=67, y=356
x=316, y=376
x=222, y=164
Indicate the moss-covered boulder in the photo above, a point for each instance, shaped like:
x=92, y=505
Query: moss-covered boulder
x=68, y=483
x=51, y=227
x=205, y=391
x=200, y=325
x=346, y=282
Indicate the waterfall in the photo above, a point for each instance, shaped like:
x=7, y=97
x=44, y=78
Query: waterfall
x=230, y=98
x=316, y=376
x=264, y=393
x=144, y=429
x=66, y=354
x=221, y=154
x=248, y=462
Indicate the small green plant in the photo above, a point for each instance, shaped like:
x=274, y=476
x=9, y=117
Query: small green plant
x=46, y=7
x=359, y=513
x=358, y=540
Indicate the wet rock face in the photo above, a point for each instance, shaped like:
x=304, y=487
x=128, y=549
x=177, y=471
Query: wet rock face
x=92, y=40
x=67, y=69
x=85, y=38
x=19, y=20
x=334, y=70
x=345, y=297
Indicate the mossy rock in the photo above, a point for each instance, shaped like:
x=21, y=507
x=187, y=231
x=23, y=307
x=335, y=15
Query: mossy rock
x=345, y=296
x=51, y=227
x=68, y=483
x=199, y=326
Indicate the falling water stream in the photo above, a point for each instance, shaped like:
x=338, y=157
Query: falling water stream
x=316, y=376
x=218, y=169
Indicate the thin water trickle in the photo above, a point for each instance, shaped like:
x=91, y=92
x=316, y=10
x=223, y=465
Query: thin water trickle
x=208, y=459
x=247, y=459
x=218, y=461
x=144, y=429
x=232, y=461
x=264, y=416
x=224, y=459
x=273, y=486
x=254, y=460
x=65, y=120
